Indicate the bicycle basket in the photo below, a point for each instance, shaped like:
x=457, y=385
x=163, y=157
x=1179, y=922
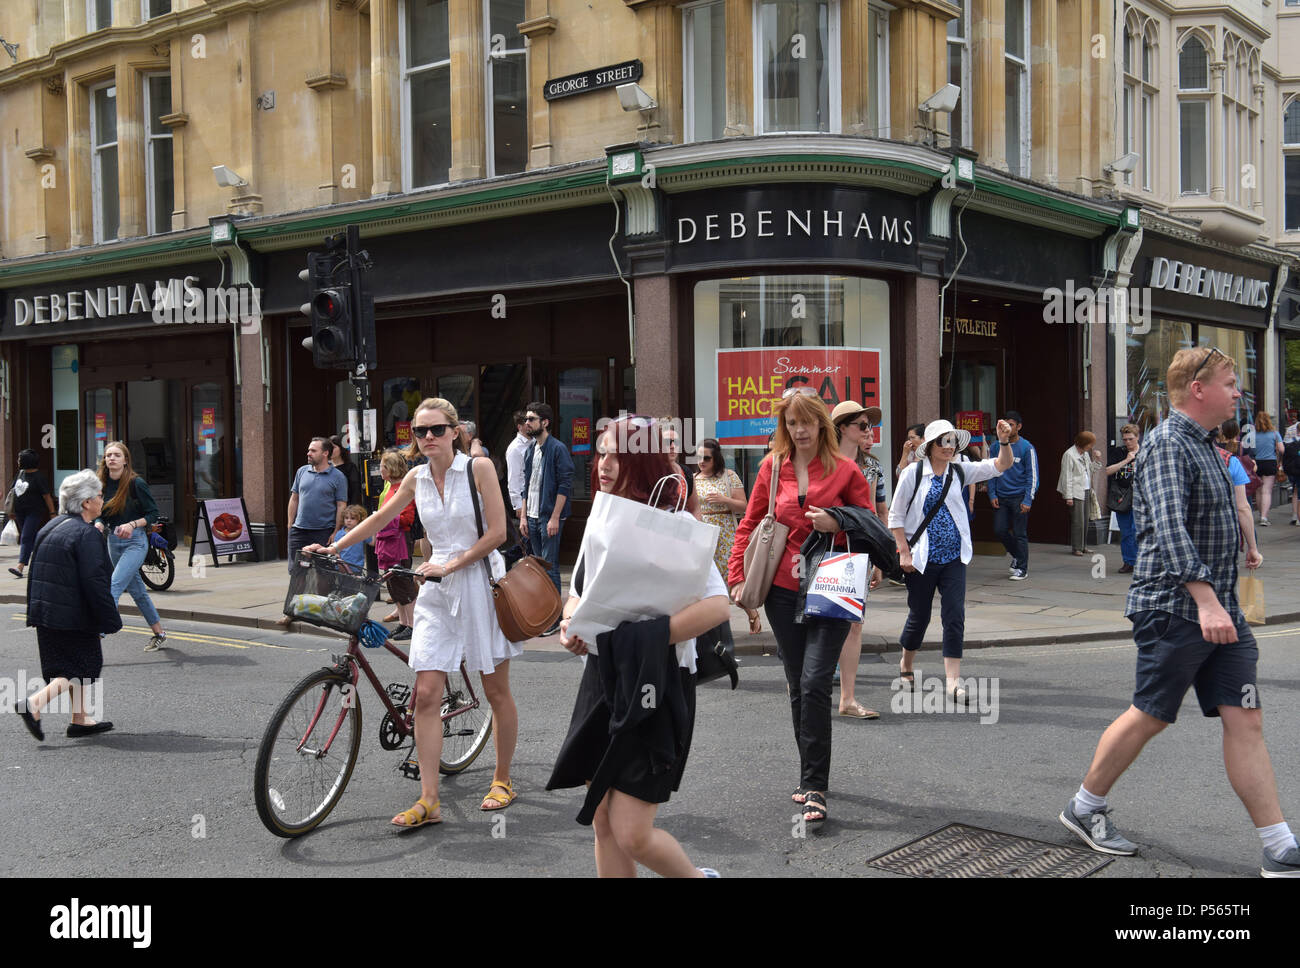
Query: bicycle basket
x=322, y=593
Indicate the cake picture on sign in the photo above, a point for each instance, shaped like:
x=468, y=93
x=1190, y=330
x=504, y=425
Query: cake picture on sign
x=227, y=527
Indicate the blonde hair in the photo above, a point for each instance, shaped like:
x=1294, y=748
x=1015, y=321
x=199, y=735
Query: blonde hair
x=118, y=503
x=394, y=461
x=356, y=511
x=1133, y=429
x=806, y=408
x=1185, y=364
x=1264, y=422
x=446, y=407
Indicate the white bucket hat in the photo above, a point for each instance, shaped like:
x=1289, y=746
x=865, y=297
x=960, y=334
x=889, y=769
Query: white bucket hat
x=937, y=428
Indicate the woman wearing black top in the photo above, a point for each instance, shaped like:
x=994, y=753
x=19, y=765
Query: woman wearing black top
x=129, y=509
x=32, y=507
x=340, y=458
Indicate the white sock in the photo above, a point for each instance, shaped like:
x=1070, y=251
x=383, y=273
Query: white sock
x=1088, y=803
x=1277, y=839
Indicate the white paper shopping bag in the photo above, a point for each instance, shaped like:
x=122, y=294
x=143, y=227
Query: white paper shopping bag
x=639, y=562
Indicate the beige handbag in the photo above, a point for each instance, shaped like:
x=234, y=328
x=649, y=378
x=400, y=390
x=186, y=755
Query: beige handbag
x=765, y=549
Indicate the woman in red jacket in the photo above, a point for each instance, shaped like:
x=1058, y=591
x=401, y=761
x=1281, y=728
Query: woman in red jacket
x=813, y=476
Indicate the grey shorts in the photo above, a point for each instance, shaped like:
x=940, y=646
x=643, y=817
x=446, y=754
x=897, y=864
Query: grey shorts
x=1173, y=656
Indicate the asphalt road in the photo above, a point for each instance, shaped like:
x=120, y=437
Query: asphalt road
x=168, y=792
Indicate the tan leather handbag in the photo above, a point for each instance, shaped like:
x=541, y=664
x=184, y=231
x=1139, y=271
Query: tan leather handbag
x=765, y=549
x=526, y=600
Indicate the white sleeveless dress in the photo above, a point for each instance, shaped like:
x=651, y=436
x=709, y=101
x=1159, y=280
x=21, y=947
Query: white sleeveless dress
x=455, y=618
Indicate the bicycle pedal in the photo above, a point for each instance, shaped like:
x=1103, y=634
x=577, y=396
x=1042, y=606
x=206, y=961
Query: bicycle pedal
x=410, y=768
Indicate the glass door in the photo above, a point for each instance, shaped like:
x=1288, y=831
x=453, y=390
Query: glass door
x=99, y=419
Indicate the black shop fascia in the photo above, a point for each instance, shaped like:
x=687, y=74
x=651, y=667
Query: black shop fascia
x=1203, y=285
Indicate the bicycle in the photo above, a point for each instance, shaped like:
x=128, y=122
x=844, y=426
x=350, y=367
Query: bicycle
x=159, y=566
x=311, y=744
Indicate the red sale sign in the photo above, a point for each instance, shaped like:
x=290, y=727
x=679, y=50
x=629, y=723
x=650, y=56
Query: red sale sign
x=751, y=382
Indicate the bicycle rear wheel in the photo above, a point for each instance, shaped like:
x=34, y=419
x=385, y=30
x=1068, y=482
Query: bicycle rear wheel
x=159, y=569
x=297, y=781
x=466, y=733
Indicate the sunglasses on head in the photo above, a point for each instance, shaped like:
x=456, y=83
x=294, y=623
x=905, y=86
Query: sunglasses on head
x=1208, y=356
x=802, y=391
x=436, y=429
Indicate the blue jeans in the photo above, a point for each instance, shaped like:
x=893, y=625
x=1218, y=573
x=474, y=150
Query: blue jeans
x=127, y=555
x=950, y=581
x=544, y=547
x=28, y=530
x=1128, y=542
x=1012, y=527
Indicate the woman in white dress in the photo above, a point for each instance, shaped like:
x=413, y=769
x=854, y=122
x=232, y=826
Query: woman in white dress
x=455, y=619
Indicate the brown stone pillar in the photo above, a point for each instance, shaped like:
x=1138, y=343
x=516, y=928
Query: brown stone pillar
x=857, y=50
x=657, y=360
x=659, y=29
x=1045, y=103
x=81, y=208
x=537, y=30
x=920, y=351
x=918, y=66
x=132, y=208
x=258, y=440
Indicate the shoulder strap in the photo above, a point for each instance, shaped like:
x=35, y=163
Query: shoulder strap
x=772, y=485
x=961, y=474
x=943, y=494
x=916, y=487
x=478, y=515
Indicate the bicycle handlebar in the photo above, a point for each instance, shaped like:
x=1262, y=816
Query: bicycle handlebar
x=395, y=570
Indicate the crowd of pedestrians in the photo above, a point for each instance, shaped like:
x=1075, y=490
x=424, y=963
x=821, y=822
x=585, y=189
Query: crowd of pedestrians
x=1181, y=498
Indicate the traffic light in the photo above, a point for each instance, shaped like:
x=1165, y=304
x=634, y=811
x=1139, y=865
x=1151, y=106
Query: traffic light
x=333, y=340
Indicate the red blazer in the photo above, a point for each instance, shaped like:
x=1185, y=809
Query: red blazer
x=844, y=488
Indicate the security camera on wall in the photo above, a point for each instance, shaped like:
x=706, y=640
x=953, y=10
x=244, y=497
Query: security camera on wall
x=943, y=100
x=633, y=98
x=227, y=178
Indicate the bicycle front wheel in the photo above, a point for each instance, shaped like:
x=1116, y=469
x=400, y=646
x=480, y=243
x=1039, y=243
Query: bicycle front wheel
x=466, y=724
x=303, y=764
x=159, y=569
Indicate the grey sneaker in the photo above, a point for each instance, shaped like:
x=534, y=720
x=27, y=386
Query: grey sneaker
x=1019, y=575
x=156, y=643
x=1097, y=830
x=1288, y=866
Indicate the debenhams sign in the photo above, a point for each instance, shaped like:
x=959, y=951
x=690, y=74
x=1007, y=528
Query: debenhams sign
x=1208, y=283
x=169, y=301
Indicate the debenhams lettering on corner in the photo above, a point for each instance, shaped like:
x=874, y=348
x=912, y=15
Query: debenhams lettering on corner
x=794, y=223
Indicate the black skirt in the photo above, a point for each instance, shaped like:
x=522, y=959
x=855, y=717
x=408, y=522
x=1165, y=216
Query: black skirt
x=1266, y=468
x=587, y=742
x=69, y=653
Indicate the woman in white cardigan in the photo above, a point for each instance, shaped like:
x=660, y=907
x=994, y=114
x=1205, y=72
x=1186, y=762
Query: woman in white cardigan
x=1077, y=468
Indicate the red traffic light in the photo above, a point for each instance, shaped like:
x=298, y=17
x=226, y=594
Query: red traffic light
x=328, y=304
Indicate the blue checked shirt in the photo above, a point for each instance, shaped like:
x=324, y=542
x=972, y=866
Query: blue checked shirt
x=1186, y=520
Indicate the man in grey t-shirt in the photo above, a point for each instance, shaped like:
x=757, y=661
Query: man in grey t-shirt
x=317, y=500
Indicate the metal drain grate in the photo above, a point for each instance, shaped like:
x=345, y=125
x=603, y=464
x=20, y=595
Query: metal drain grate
x=957, y=850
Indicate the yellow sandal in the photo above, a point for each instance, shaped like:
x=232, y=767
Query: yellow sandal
x=418, y=815
x=502, y=800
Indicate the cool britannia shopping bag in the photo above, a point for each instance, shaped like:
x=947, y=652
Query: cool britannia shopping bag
x=839, y=589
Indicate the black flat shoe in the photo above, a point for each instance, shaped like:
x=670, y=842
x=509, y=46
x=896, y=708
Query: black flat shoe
x=76, y=730
x=32, y=723
x=15, y=572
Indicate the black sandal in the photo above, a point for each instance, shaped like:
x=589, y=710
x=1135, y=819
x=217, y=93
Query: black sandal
x=909, y=678
x=814, y=803
x=797, y=796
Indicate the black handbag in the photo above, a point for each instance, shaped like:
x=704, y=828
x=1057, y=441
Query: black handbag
x=712, y=660
x=1119, y=499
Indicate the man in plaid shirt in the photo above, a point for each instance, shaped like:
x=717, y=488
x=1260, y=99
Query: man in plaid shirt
x=1187, y=625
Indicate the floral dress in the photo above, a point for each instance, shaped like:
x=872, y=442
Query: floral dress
x=707, y=489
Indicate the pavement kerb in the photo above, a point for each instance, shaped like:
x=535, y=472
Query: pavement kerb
x=762, y=644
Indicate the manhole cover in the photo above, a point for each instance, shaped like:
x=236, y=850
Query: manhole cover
x=961, y=851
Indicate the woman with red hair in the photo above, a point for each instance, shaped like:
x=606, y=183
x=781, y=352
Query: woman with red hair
x=631, y=463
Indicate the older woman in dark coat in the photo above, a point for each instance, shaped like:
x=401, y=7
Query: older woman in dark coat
x=69, y=602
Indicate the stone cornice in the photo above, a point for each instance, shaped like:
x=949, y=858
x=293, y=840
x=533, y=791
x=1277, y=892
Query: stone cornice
x=538, y=26
x=1189, y=232
x=326, y=82
x=1182, y=16
x=158, y=30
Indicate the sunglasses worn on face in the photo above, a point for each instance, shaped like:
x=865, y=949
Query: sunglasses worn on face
x=436, y=429
x=863, y=425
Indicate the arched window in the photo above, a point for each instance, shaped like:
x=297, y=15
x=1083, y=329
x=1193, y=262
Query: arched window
x=1193, y=118
x=1139, y=97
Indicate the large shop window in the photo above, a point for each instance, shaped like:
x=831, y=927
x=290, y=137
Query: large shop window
x=1150, y=354
x=507, y=88
x=1291, y=163
x=798, y=65
x=757, y=335
x=103, y=141
x=704, y=64
x=159, y=176
x=426, y=92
